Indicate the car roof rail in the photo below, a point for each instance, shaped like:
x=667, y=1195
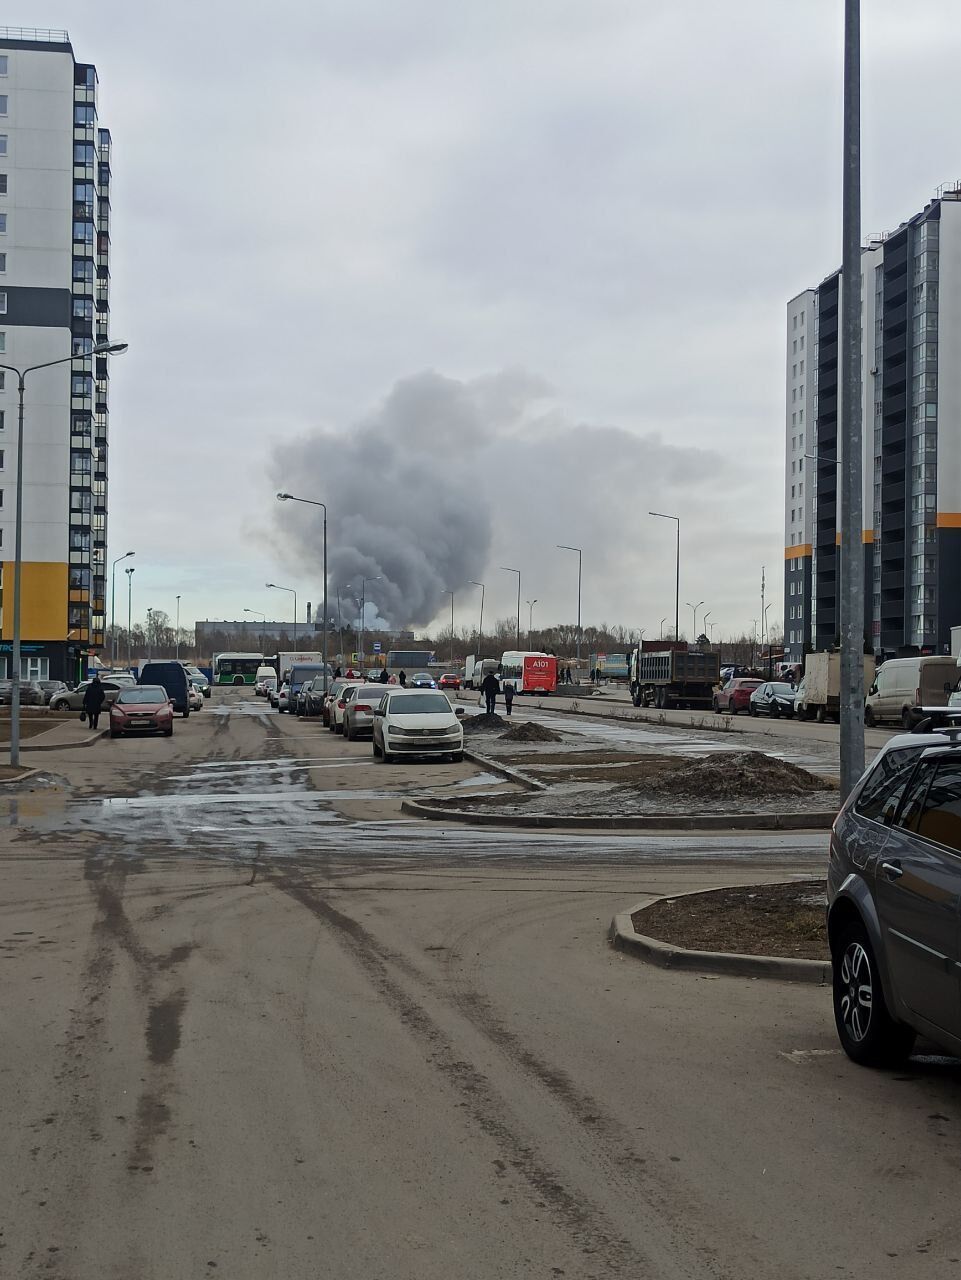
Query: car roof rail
x=944, y=720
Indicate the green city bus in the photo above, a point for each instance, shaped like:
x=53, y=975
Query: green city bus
x=236, y=668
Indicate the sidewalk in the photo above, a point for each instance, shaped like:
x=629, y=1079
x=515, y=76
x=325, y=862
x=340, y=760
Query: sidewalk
x=63, y=736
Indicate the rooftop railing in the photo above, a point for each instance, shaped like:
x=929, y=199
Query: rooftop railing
x=39, y=34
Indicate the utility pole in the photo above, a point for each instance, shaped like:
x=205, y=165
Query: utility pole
x=851, y=575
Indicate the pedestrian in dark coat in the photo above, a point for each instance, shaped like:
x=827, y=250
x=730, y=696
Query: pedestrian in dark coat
x=384, y=677
x=508, y=695
x=490, y=689
x=93, y=700
x=338, y=673
x=403, y=679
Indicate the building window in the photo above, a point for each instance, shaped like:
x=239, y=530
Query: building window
x=3, y=144
x=3, y=302
x=802, y=366
x=3, y=104
x=794, y=395
x=800, y=611
x=3, y=264
x=802, y=317
x=794, y=371
x=800, y=417
x=4, y=63
x=792, y=490
x=801, y=391
x=3, y=224
x=795, y=322
x=800, y=491
x=795, y=347
x=3, y=341
x=3, y=379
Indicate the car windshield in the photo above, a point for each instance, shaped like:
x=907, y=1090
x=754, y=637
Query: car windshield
x=147, y=693
x=783, y=688
x=421, y=704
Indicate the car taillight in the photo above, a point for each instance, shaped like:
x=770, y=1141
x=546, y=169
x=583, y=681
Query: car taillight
x=362, y=707
x=342, y=704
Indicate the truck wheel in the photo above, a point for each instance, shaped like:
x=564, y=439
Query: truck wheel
x=636, y=697
x=907, y=719
x=714, y=707
x=820, y=715
x=869, y=718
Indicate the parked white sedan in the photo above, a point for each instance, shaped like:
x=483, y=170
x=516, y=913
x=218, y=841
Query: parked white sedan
x=415, y=722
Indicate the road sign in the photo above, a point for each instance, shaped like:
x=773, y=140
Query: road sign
x=376, y=646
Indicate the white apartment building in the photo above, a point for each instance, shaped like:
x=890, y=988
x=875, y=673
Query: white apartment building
x=54, y=301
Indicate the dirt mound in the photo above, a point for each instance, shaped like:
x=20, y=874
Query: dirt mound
x=484, y=723
x=735, y=774
x=530, y=732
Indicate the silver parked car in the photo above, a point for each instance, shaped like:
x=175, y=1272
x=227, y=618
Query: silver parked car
x=894, y=889
x=361, y=701
x=73, y=699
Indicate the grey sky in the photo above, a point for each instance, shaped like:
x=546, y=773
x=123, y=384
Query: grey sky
x=615, y=198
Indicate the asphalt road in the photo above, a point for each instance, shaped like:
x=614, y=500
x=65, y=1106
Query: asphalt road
x=255, y=1025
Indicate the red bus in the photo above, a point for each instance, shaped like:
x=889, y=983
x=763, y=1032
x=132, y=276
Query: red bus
x=529, y=671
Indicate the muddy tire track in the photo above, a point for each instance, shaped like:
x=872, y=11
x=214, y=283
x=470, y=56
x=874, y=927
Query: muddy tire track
x=677, y=1247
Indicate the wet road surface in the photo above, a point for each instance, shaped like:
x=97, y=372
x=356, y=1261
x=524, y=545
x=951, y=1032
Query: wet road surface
x=255, y=1025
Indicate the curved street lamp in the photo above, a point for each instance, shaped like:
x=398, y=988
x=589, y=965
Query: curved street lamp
x=310, y=502
x=100, y=349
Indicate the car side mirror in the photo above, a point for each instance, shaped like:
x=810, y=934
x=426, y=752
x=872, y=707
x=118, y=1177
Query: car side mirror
x=458, y=711
x=378, y=712
x=873, y=689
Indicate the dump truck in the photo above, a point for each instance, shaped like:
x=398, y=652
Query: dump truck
x=819, y=692
x=673, y=677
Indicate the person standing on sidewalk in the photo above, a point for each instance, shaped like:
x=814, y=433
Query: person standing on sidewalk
x=93, y=700
x=508, y=695
x=490, y=689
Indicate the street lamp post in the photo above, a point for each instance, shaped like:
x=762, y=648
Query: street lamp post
x=661, y=636
x=113, y=606
x=530, y=619
x=129, y=572
x=363, y=610
x=518, y=572
x=289, y=497
x=149, y=633
x=177, y=633
x=677, y=571
x=480, y=625
x=263, y=625
x=704, y=623
x=101, y=349
x=561, y=546
x=695, y=608
x=851, y=715
x=272, y=586
x=450, y=593
x=765, y=634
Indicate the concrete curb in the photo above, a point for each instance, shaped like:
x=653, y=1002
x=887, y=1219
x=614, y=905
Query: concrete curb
x=623, y=937
x=66, y=746
x=630, y=714
x=505, y=770
x=27, y=773
x=637, y=822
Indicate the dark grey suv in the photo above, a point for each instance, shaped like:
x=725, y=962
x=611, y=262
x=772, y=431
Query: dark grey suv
x=894, y=901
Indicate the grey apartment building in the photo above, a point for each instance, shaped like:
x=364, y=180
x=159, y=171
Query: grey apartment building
x=911, y=401
x=54, y=302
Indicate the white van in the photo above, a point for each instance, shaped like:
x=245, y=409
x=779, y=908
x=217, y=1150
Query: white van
x=903, y=685
x=264, y=681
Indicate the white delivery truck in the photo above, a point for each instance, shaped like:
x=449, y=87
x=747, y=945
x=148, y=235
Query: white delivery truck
x=819, y=693
x=475, y=669
x=287, y=660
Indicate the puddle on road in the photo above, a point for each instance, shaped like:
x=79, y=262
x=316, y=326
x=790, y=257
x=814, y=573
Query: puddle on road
x=193, y=800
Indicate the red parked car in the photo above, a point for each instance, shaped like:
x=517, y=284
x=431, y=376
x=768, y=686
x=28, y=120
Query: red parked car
x=145, y=709
x=735, y=696
x=449, y=682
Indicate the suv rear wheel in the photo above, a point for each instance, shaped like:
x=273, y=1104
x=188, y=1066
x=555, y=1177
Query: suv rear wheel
x=868, y=1033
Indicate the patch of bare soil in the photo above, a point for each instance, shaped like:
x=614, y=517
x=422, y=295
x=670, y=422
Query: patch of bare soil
x=729, y=775
x=632, y=773
x=584, y=758
x=484, y=723
x=531, y=732
x=755, y=920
